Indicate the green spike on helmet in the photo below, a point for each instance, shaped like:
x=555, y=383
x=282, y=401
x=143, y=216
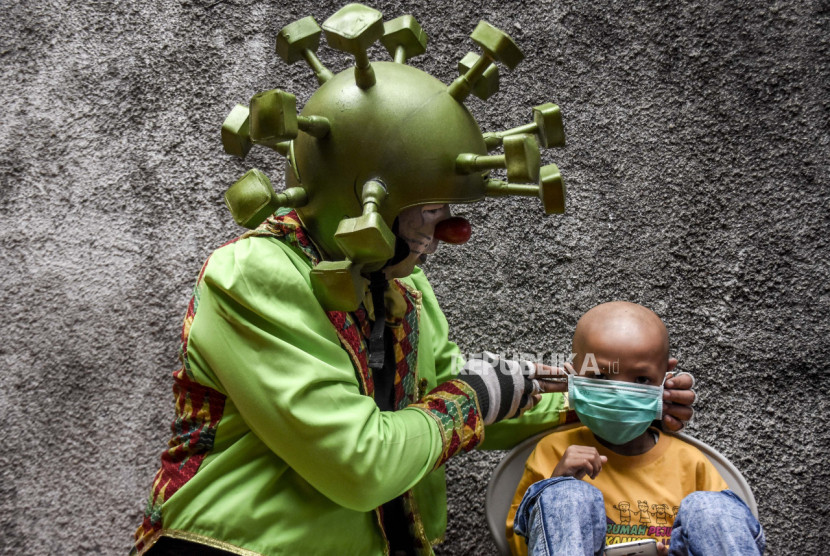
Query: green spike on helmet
x=379, y=138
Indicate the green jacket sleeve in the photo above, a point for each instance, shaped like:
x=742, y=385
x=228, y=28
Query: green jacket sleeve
x=260, y=337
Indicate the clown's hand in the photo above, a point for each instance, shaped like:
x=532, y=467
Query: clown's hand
x=551, y=379
x=504, y=388
x=678, y=398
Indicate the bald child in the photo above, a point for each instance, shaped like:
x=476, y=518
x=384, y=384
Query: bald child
x=616, y=478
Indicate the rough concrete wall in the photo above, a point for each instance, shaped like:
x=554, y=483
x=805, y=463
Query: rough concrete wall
x=697, y=165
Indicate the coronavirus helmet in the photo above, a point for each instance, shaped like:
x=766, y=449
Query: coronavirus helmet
x=380, y=137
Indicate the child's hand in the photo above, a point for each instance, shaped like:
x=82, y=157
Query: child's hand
x=662, y=549
x=578, y=461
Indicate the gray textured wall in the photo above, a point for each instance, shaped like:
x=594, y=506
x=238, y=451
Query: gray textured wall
x=697, y=165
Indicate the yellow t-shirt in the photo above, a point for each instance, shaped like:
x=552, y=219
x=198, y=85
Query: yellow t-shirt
x=642, y=493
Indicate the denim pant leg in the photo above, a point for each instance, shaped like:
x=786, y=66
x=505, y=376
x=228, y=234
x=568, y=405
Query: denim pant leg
x=562, y=516
x=715, y=523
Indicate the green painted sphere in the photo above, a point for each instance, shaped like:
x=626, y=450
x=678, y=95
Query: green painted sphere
x=405, y=131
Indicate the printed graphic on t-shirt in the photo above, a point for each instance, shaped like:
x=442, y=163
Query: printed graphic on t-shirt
x=640, y=520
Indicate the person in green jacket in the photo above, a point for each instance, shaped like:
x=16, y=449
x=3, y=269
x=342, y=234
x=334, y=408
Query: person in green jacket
x=319, y=395
x=280, y=446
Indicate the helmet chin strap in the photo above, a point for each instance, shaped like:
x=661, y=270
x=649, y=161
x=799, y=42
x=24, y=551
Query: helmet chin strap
x=401, y=248
x=401, y=252
x=377, y=287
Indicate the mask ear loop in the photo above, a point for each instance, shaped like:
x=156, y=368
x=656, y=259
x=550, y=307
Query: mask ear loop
x=658, y=423
x=569, y=394
x=377, y=355
x=663, y=389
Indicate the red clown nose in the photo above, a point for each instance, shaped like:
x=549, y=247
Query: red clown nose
x=455, y=230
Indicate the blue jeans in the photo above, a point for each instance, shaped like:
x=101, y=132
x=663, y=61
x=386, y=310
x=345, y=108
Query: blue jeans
x=564, y=516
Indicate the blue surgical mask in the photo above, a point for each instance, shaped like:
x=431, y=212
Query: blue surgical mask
x=617, y=412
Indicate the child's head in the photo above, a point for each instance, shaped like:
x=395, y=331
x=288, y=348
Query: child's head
x=622, y=341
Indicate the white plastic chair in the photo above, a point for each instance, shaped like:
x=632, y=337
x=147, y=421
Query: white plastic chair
x=509, y=471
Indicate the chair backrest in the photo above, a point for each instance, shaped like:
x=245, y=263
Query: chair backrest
x=509, y=472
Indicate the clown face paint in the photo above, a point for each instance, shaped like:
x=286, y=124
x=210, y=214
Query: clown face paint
x=416, y=226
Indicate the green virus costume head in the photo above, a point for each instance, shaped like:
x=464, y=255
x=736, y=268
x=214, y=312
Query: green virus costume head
x=378, y=138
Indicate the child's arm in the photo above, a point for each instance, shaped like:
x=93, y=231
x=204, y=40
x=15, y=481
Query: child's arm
x=576, y=461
